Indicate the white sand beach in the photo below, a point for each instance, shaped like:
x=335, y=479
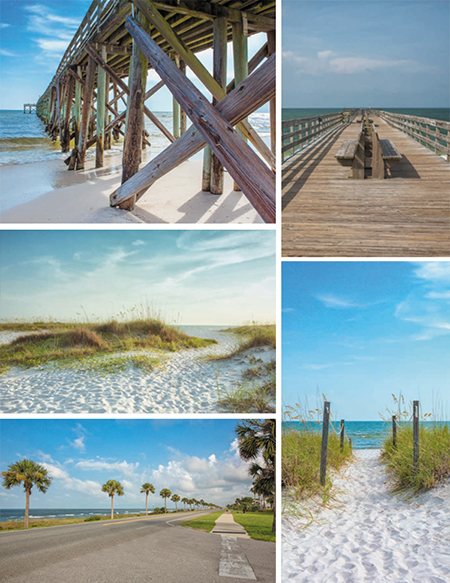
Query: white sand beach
x=46, y=192
x=185, y=383
x=371, y=535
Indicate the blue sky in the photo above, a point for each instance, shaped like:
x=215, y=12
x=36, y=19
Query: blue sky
x=34, y=36
x=379, y=53
x=193, y=458
x=359, y=331
x=191, y=277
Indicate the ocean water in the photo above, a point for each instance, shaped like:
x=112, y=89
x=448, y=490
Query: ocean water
x=364, y=434
x=440, y=113
x=23, y=139
x=18, y=514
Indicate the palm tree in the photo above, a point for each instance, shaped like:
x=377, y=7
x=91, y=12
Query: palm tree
x=175, y=498
x=30, y=474
x=259, y=437
x=165, y=493
x=147, y=489
x=112, y=487
x=190, y=502
x=185, y=501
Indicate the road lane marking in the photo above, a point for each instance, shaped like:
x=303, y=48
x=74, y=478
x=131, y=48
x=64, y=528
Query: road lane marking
x=233, y=562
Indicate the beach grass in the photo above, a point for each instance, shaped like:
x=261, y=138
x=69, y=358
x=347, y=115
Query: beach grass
x=251, y=336
x=257, y=524
x=71, y=343
x=204, y=523
x=434, y=457
x=301, y=453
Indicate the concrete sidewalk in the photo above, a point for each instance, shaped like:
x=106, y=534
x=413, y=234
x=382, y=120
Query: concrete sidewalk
x=226, y=525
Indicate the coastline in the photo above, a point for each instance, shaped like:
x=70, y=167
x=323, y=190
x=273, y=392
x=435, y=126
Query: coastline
x=367, y=533
x=46, y=192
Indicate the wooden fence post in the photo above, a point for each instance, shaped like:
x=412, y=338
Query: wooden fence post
x=394, y=432
x=416, y=436
x=324, y=451
x=342, y=434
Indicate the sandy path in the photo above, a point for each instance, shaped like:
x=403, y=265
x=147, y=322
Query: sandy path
x=373, y=536
x=185, y=384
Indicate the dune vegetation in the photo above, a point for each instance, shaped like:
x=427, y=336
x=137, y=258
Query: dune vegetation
x=68, y=343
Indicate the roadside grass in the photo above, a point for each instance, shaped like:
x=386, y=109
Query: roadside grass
x=204, y=523
x=434, y=452
x=45, y=522
x=301, y=453
x=71, y=343
x=257, y=524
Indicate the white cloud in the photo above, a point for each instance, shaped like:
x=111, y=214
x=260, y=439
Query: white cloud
x=4, y=25
x=5, y=53
x=333, y=301
x=138, y=242
x=125, y=468
x=79, y=442
x=434, y=272
x=88, y=487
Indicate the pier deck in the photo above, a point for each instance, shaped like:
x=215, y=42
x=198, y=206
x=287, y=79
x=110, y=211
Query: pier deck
x=327, y=214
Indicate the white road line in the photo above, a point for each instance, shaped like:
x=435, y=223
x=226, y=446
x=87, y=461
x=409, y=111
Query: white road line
x=233, y=562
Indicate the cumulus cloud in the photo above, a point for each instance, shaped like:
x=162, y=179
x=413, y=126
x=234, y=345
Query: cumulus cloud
x=88, y=487
x=125, y=468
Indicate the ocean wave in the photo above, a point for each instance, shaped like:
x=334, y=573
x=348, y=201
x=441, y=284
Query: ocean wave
x=27, y=143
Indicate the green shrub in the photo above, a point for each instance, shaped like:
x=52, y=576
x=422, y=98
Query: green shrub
x=93, y=518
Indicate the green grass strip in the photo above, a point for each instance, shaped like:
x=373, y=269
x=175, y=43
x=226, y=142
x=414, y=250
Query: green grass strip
x=257, y=524
x=204, y=523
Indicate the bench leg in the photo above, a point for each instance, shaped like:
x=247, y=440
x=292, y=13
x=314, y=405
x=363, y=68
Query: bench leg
x=378, y=170
x=358, y=160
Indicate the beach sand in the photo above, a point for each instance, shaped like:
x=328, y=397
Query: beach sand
x=46, y=192
x=370, y=535
x=185, y=383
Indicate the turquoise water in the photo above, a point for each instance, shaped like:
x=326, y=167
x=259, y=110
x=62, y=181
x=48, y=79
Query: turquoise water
x=364, y=434
x=440, y=113
x=18, y=514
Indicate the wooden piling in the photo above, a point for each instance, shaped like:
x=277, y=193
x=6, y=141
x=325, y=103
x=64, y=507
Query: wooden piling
x=183, y=117
x=101, y=111
x=324, y=450
x=176, y=108
x=86, y=114
x=220, y=75
x=65, y=143
x=394, y=432
x=240, y=60
x=342, y=433
x=416, y=436
x=132, y=148
x=271, y=45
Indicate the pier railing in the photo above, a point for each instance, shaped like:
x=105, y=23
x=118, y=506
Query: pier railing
x=302, y=131
x=432, y=133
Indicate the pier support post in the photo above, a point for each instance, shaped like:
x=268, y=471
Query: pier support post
x=240, y=58
x=183, y=117
x=176, y=108
x=416, y=436
x=101, y=111
x=86, y=115
x=220, y=75
x=324, y=450
x=271, y=45
x=132, y=148
x=65, y=143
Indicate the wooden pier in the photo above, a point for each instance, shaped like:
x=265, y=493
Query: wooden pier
x=29, y=108
x=327, y=213
x=123, y=39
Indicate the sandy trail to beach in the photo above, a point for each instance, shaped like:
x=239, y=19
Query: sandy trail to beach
x=185, y=383
x=371, y=535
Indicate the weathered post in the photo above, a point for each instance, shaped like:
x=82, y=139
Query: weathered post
x=65, y=145
x=87, y=102
x=416, y=436
x=394, y=432
x=324, y=451
x=342, y=434
x=271, y=44
x=101, y=111
x=220, y=75
x=183, y=116
x=176, y=108
x=135, y=107
x=240, y=58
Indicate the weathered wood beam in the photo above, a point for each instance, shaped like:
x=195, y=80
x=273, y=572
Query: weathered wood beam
x=176, y=108
x=101, y=111
x=124, y=88
x=183, y=118
x=202, y=9
x=254, y=62
x=86, y=114
x=244, y=165
x=220, y=75
x=65, y=143
x=271, y=46
x=113, y=49
x=200, y=70
x=250, y=95
x=132, y=148
x=240, y=61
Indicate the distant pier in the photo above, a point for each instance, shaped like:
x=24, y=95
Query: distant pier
x=29, y=108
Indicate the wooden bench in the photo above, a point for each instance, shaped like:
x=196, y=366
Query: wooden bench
x=391, y=155
x=347, y=152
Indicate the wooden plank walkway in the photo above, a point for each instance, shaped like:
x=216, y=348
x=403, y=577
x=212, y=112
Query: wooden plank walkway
x=326, y=214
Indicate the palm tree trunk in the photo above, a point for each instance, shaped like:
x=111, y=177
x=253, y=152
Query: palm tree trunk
x=146, y=504
x=274, y=523
x=176, y=507
x=112, y=507
x=27, y=508
x=165, y=504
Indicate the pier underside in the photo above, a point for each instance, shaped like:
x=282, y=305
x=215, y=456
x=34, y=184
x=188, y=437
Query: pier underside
x=326, y=213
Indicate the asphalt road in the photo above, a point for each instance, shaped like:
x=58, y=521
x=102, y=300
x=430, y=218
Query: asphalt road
x=153, y=549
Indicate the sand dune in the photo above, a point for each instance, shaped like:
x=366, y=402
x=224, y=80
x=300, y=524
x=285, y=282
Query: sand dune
x=371, y=535
x=186, y=383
